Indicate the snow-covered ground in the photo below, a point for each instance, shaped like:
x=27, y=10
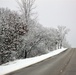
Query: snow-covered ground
x=18, y=64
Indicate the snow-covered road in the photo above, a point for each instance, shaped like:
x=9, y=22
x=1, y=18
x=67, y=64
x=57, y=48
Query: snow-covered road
x=18, y=64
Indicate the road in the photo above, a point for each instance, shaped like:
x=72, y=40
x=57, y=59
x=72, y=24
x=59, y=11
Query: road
x=61, y=64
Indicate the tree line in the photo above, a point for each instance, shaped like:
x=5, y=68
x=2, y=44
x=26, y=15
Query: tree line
x=22, y=36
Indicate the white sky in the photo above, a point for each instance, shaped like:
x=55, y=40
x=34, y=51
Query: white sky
x=53, y=13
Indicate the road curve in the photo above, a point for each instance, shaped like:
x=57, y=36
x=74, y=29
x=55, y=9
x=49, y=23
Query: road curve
x=61, y=64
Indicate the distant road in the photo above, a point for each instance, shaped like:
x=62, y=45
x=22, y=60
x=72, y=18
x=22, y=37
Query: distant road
x=61, y=64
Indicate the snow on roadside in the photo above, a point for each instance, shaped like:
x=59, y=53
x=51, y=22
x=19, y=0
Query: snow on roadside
x=18, y=64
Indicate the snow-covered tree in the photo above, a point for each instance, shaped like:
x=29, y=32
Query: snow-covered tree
x=62, y=32
x=12, y=28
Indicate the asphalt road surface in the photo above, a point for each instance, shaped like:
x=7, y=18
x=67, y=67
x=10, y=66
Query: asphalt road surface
x=61, y=64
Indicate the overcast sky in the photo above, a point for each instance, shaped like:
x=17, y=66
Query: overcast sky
x=52, y=13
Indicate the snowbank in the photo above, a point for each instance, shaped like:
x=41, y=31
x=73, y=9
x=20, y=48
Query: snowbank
x=18, y=64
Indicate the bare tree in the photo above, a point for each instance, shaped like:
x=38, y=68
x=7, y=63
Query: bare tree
x=27, y=7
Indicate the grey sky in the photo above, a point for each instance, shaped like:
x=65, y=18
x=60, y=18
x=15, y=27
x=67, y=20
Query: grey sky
x=53, y=13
